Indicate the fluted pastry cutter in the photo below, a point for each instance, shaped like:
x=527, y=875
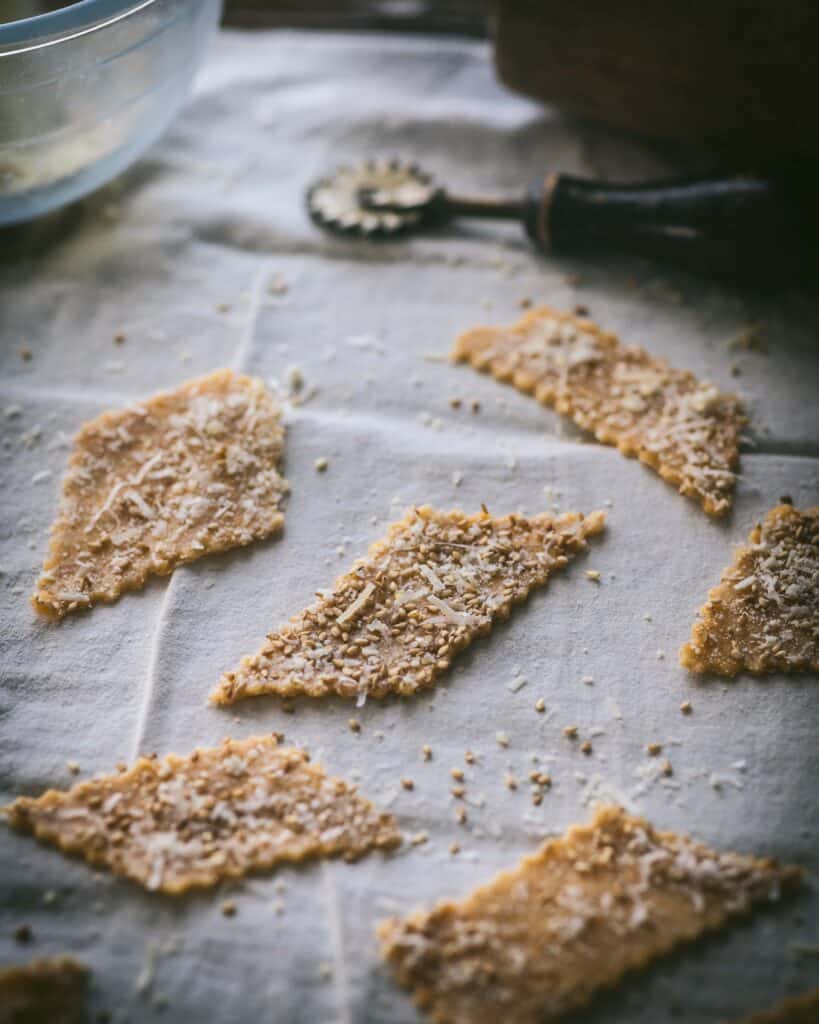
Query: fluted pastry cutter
x=743, y=225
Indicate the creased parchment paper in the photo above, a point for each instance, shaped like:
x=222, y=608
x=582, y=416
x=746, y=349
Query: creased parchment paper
x=202, y=256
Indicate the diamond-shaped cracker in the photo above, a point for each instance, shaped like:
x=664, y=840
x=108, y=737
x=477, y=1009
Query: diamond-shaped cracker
x=802, y=1009
x=541, y=939
x=764, y=614
x=395, y=621
x=161, y=483
x=52, y=991
x=189, y=822
x=682, y=427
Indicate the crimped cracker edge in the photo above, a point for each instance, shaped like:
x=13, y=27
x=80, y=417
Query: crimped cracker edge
x=522, y=382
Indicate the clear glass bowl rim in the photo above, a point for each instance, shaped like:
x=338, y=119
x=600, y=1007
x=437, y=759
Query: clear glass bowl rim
x=66, y=23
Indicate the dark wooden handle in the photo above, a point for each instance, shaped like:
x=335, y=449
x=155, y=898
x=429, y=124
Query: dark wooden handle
x=741, y=227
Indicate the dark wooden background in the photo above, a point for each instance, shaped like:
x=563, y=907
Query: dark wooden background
x=464, y=17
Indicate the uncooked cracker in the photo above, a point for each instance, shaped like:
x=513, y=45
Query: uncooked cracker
x=189, y=822
x=52, y=991
x=764, y=614
x=571, y=919
x=802, y=1009
x=395, y=621
x=683, y=428
x=160, y=483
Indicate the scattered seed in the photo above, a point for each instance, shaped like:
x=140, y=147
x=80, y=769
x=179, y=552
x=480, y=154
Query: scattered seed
x=469, y=757
x=653, y=749
x=458, y=792
x=537, y=798
x=540, y=705
x=25, y=354
x=73, y=767
x=321, y=464
x=461, y=815
x=354, y=725
x=454, y=848
x=685, y=707
x=229, y=908
x=426, y=752
x=295, y=379
x=475, y=405
x=277, y=286
x=570, y=732
x=804, y=948
x=593, y=574
x=119, y=338
x=407, y=783
x=586, y=747
x=502, y=739
x=581, y=310
x=588, y=680
x=455, y=403
x=525, y=302
x=23, y=933
x=457, y=774
x=666, y=768
x=419, y=839
x=510, y=781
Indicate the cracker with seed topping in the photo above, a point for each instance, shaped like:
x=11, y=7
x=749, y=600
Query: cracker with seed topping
x=571, y=919
x=683, y=428
x=164, y=482
x=52, y=990
x=422, y=594
x=189, y=822
x=763, y=616
x=802, y=1009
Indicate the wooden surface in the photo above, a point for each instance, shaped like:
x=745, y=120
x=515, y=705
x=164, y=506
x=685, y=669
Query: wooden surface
x=462, y=17
x=730, y=75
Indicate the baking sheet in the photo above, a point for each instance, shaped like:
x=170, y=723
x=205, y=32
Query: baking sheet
x=202, y=257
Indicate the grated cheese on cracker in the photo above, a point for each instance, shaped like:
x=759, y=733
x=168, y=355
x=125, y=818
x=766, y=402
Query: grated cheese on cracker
x=682, y=427
x=394, y=622
x=158, y=484
x=763, y=616
x=189, y=822
x=541, y=939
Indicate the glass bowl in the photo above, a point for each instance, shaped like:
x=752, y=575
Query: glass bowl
x=85, y=89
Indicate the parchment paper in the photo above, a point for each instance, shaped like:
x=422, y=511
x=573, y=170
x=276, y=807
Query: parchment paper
x=202, y=256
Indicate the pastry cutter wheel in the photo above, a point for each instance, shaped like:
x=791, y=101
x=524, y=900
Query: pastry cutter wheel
x=742, y=226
